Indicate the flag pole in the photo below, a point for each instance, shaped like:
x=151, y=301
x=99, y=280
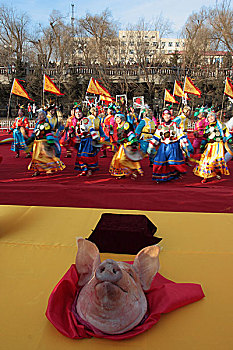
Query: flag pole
x=222, y=107
x=9, y=104
x=43, y=91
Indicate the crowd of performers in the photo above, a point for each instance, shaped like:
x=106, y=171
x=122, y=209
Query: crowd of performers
x=130, y=137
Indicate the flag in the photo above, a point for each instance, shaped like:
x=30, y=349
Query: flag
x=190, y=88
x=18, y=90
x=50, y=86
x=178, y=91
x=168, y=97
x=228, y=88
x=94, y=87
x=106, y=98
x=102, y=90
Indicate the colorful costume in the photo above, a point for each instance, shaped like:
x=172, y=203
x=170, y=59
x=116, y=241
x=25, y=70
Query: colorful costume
x=87, y=155
x=212, y=161
x=20, y=130
x=44, y=150
x=229, y=142
x=121, y=165
x=168, y=162
x=68, y=139
x=200, y=126
x=144, y=132
x=182, y=122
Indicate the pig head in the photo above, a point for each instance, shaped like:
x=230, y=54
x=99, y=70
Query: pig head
x=112, y=298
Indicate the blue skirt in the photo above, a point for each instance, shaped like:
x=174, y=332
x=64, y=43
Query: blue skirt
x=168, y=162
x=19, y=142
x=87, y=156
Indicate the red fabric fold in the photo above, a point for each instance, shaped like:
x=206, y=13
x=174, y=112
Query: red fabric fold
x=164, y=296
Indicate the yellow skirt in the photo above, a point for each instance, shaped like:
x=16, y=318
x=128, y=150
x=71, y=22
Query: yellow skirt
x=122, y=166
x=212, y=161
x=44, y=159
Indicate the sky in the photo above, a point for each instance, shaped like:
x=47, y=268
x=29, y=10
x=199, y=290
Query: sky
x=124, y=11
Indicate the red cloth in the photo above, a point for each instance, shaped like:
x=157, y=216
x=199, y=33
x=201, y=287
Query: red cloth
x=164, y=296
x=64, y=189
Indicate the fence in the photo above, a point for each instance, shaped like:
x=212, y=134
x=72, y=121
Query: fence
x=5, y=125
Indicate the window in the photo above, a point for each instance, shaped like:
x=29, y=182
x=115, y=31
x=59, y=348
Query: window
x=147, y=52
x=155, y=43
x=146, y=36
x=147, y=43
x=177, y=44
x=170, y=44
x=131, y=52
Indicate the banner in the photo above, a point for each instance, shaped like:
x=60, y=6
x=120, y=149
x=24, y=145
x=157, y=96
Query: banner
x=91, y=100
x=122, y=99
x=50, y=86
x=228, y=88
x=168, y=97
x=190, y=88
x=138, y=101
x=18, y=90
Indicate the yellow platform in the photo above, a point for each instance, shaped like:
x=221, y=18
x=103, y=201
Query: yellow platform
x=37, y=246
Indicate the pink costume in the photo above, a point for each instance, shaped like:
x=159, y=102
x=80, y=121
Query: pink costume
x=198, y=133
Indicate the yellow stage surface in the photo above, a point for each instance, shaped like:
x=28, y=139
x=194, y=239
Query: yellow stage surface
x=38, y=245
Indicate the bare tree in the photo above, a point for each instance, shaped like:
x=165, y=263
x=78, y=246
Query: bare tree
x=102, y=32
x=221, y=21
x=13, y=34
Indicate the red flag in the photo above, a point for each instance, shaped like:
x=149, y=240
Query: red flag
x=168, y=97
x=18, y=90
x=50, y=86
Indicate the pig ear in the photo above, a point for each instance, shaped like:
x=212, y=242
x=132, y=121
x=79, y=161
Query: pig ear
x=87, y=260
x=146, y=265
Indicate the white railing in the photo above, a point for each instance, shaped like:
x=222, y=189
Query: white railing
x=6, y=125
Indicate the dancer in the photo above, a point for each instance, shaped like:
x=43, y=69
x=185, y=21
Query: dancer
x=200, y=126
x=182, y=122
x=68, y=139
x=88, y=133
x=109, y=129
x=126, y=160
x=212, y=162
x=229, y=142
x=20, y=129
x=44, y=158
x=169, y=163
x=145, y=131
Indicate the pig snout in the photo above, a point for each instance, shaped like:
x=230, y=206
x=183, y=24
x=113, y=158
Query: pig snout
x=108, y=271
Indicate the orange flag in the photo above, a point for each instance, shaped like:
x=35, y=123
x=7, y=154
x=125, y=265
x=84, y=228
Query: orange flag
x=190, y=88
x=92, y=88
x=228, y=88
x=102, y=90
x=168, y=97
x=50, y=86
x=178, y=91
x=106, y=98
x=18, y=90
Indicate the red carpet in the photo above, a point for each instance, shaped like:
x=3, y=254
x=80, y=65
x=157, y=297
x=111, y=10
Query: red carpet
x=65, y=189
